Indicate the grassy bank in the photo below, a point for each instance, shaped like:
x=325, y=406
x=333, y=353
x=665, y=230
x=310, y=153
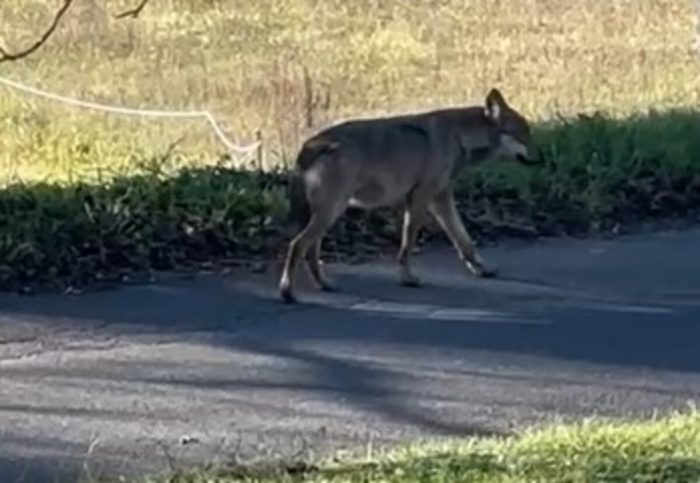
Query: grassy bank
x=601, y=174
x=663, y=450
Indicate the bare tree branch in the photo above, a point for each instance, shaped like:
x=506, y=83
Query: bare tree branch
x=6, y=56
x=134, y=12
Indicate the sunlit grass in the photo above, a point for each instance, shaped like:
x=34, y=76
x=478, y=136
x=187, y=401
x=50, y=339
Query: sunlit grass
x=662, y=450
x=246, y=61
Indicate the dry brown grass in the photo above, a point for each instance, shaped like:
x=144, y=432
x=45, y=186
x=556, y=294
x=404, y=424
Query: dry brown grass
x=246, y=61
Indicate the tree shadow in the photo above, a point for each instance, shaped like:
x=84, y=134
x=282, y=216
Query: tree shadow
x=209, y=312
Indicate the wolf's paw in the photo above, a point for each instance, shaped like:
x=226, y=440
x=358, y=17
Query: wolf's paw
x=409, y=280
x=483, y=271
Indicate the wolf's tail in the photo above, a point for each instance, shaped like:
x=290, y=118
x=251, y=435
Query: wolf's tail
x=299, y=207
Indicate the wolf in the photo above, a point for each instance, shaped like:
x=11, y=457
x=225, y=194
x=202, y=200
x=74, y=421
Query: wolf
x=403, y=159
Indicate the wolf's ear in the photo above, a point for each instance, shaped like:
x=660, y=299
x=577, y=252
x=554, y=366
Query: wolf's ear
x=495, y=104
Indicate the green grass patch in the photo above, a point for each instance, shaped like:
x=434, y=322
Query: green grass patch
x=600, y=173
x=660, y=450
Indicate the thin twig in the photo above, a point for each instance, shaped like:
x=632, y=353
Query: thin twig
x=6, y=56
x=134, y=12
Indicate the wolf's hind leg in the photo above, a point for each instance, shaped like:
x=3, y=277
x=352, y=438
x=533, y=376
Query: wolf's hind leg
x=298, y=249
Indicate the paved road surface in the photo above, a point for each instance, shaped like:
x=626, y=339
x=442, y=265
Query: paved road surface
x=117, y=381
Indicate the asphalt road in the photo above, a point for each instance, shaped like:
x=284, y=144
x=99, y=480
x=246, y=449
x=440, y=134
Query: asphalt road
x=146, y=378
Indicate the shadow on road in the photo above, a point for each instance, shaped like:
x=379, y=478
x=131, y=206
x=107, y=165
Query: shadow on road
x=258, y=324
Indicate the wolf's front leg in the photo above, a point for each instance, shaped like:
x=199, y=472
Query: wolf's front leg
x=444, y=210
x=412, y=221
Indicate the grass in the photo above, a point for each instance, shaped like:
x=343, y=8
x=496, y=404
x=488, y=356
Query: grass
x=286, y=67
x=660, y=450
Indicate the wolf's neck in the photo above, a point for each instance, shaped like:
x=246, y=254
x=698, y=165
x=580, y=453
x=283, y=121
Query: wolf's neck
x=480, y=140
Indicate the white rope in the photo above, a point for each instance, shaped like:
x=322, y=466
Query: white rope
x=136, y=112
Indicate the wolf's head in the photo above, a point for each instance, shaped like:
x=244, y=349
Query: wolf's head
x=511, y=132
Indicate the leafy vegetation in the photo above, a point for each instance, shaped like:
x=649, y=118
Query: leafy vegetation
x=81, y=233
x=663, y=450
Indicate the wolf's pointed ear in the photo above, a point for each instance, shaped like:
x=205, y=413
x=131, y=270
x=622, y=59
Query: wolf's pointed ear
x=495, y=103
